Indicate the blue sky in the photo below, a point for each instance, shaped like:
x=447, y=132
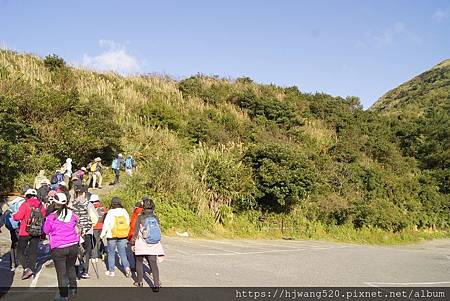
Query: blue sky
x=361, y=48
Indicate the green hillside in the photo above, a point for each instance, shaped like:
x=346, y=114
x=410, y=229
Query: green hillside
x=223, y=157
x=412, y=98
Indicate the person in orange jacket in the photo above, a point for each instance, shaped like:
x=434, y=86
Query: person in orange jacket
x=136, y=212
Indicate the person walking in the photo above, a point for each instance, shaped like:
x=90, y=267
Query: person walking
x=146, y=243
x=134, y=216
x=67, y=171
x=87, y=217
x=60, y=226
x=116, y=164
x=13, y=228
x=115, y=230
x=31, y=215
x=130, y=165
x=98, y=247
x=96, y=169
x=40, y=180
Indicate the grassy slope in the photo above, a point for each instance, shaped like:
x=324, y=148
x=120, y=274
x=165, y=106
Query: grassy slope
x=168, y=157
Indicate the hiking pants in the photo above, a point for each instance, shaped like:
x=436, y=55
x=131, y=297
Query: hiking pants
x=32, y=243
x=87, y=246
x=129, y=171
x=64, y=259
x=152, y=261
x=97, y=249
x=116, y=176
x=13, y=251
x=97, y=176
x=121, y=244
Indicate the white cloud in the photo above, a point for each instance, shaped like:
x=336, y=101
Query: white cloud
x=397, y=33
x=441, y=15
x=115, y=58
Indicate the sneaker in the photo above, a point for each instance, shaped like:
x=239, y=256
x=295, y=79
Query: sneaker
x=27, y=273
x=110, y=274
x=85, y=276
x=155, y=289
x=128, y=272
x=138, y=284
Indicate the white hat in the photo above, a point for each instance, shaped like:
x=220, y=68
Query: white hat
x=31, y=192
x=119, y=155
x=62, y=183
x=68, y=160
x=94, y=198
x=60, y=198
x=83, y=168
x=98, y=159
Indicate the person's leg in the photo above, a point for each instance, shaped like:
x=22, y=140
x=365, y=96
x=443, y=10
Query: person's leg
x=153, y=262
x=87, y=245
x=94, y=179
x=32, y=252
x=96, y=246
x=21, y=246
x=116, y=176
x=59, y=257
x=139, y=268
x=122, y=248
x=100, y=180
x=14, y=241
x=70, y=266
x=112, y=243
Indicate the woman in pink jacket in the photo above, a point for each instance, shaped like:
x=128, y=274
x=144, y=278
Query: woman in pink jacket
x=142, y=249
x=61, y=228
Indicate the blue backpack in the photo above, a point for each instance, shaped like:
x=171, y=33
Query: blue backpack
x=10, y=223
x=129, y=163
x=115, y=164
x=151, y=231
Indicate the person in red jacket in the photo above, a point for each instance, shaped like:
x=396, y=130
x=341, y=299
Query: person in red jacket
x=30, y=231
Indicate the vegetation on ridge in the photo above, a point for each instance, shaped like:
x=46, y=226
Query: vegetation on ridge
x=230, y=157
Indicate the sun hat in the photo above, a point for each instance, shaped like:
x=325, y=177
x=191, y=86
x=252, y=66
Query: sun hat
x=68, y=160
x=98, y=159
x=94, y=198
x=83, y=168
x=30, y=192
x=63, y=184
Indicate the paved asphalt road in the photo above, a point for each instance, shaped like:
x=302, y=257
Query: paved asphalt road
x=192, y=262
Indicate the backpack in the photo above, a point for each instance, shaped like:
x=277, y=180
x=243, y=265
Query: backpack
x=129, y=163
x=77, y=185
x=151, y=231
x=35, y=221
x=93, y=167
x=120, y=228
x=115, y=164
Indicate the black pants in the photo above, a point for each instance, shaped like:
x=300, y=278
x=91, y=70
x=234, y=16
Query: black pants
x=64, y=260
x=87, y=246
x=152, y=261
x=14, y=241
x=98, y=248
x=117, y=175
x=32, y=243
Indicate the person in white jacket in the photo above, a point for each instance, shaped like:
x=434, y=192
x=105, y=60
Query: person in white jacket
x=115, y=230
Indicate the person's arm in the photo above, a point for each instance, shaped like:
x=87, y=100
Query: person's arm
x=93, y=214
x=48, y=225
x=105, y=227
x=137, y=227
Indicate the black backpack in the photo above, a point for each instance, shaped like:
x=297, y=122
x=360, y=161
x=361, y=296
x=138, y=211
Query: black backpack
x=35, y=221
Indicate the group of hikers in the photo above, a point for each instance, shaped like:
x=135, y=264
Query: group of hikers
x=82, y=230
